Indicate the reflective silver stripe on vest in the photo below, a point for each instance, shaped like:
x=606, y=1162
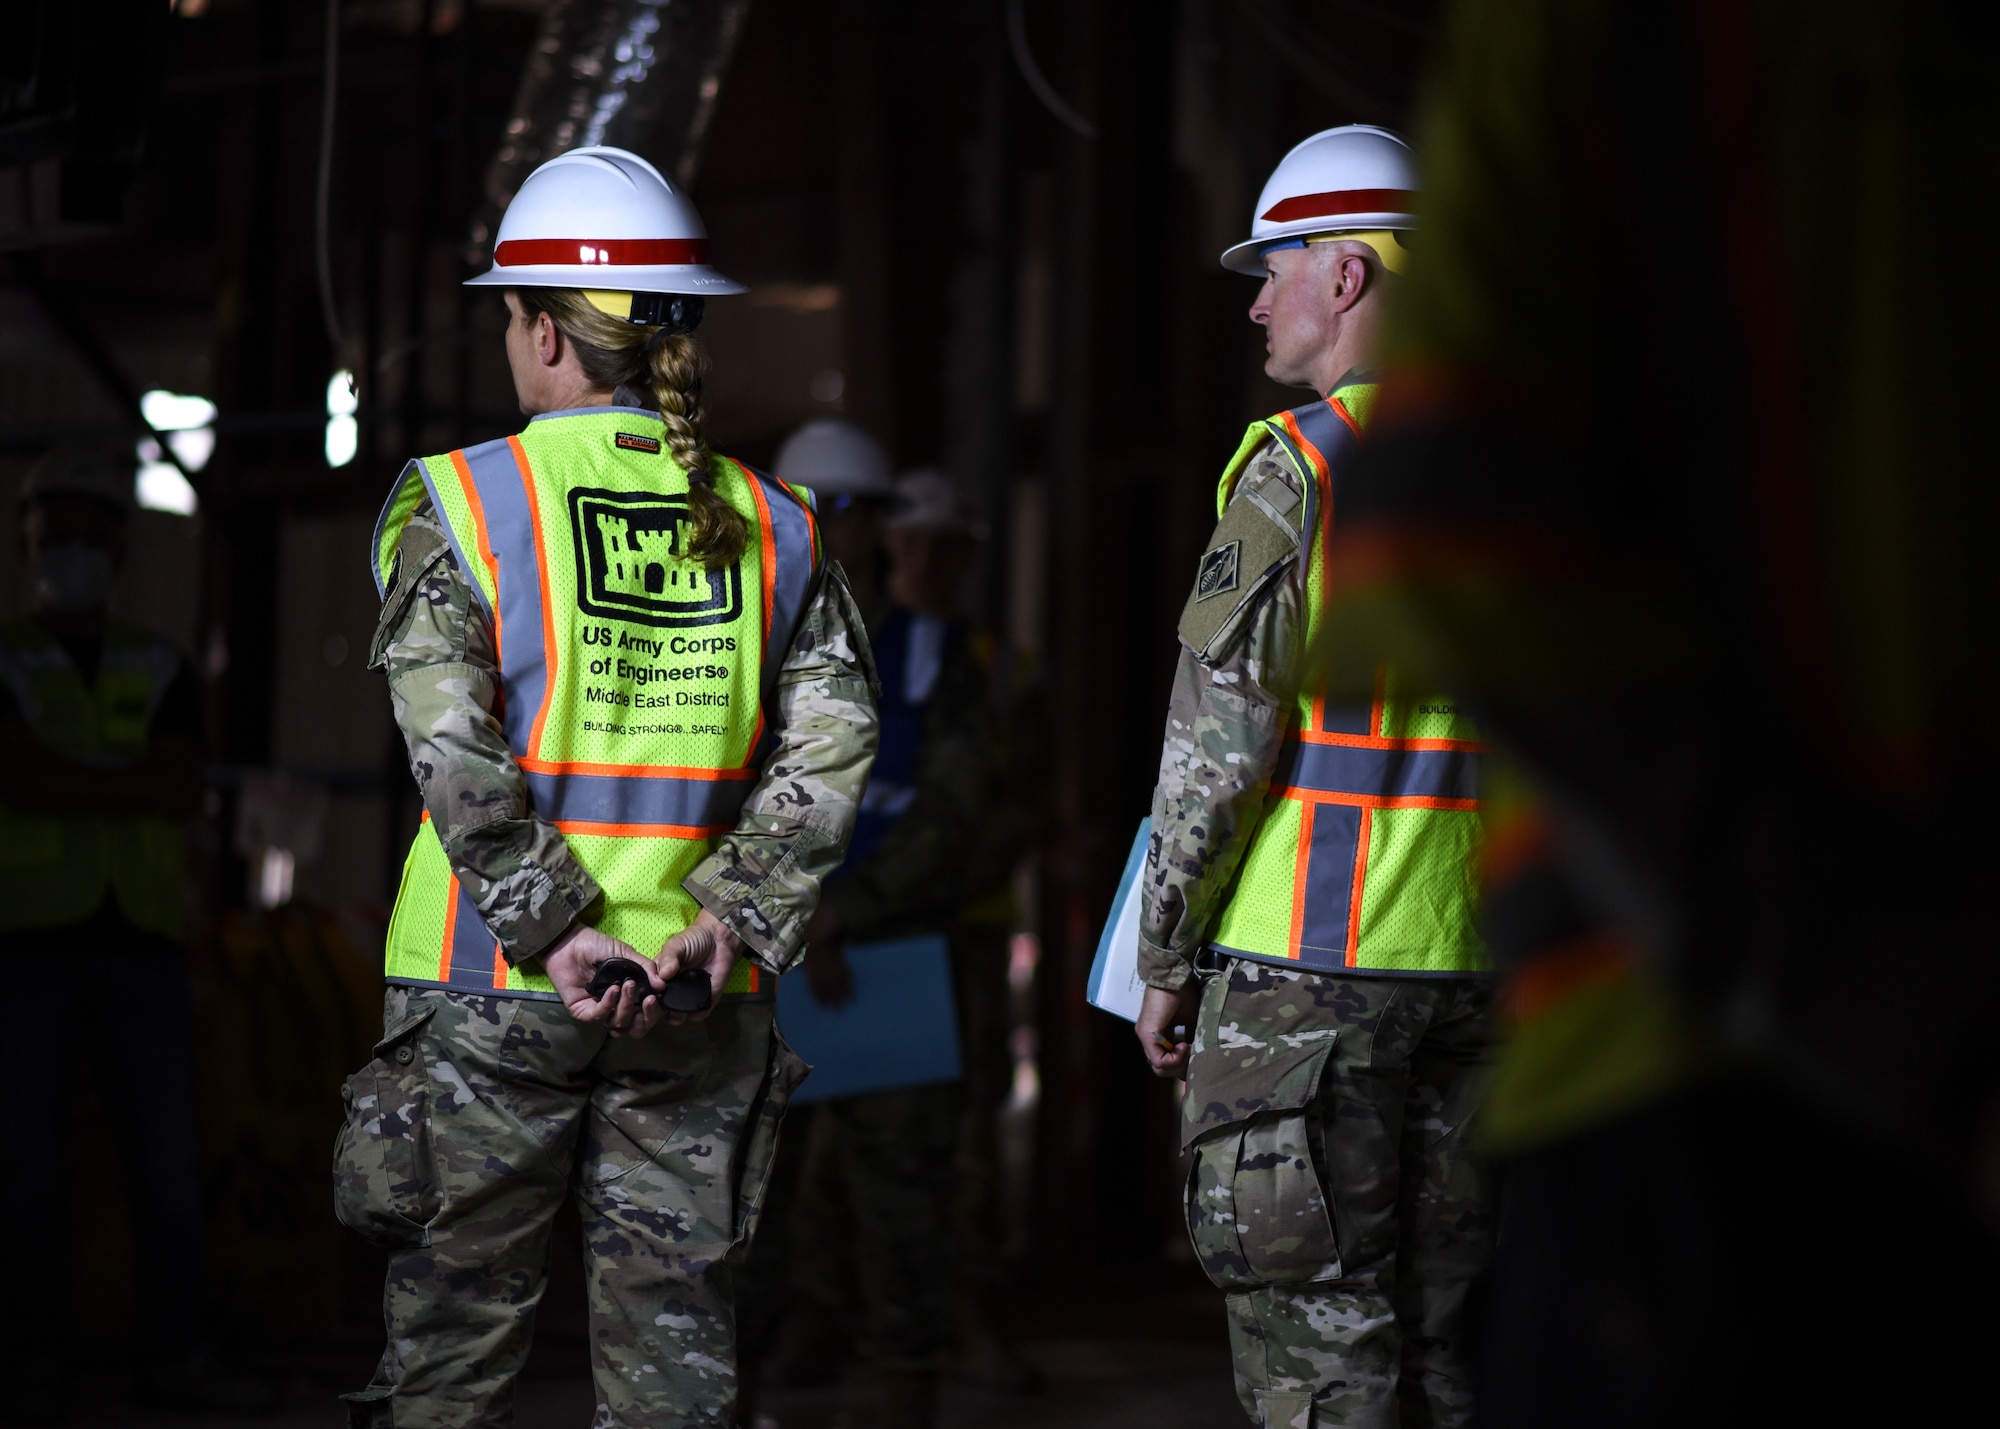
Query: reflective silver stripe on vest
x=1332, y=438
x=1319, y=424
x=502, y=484
x=792, y=543
x=473, y=948
x=1377, y=774
x=630, y=799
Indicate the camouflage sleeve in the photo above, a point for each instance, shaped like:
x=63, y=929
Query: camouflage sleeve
x=436, y=645
x=933, y=861
x=764, y=877
x=1236, y=680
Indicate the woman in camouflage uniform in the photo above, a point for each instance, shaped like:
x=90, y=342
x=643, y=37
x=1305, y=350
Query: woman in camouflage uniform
x=640, y=708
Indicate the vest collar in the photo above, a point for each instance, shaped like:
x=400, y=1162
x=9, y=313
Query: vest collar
x=1358, y=375
x=598, y=412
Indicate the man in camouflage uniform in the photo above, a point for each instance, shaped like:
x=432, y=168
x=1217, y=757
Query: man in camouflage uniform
x=902, y=1183
x=1331, y=1194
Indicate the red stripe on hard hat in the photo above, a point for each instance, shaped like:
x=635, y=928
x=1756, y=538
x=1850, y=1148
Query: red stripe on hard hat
x=608, y=252
x=1340, y=202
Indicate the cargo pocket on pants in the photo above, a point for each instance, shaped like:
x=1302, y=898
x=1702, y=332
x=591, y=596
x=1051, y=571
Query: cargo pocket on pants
x=1284, y=1409
x=1256, y=1200
x=783, y=1072
x=385, y=1185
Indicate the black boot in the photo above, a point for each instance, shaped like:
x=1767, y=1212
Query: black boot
x=371, y=1408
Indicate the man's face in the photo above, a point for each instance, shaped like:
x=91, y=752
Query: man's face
x=853, y=533
x=1295, y=308
x=928, y=567
x=74, y=548
x=65, y=520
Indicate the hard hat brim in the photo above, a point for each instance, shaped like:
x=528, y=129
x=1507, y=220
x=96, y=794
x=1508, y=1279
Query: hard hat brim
x=971, y=530
x=872, y=486
x=1248, y=256
x=692, y=278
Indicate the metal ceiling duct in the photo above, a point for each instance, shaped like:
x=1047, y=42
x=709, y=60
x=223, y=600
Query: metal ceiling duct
x=640, y=74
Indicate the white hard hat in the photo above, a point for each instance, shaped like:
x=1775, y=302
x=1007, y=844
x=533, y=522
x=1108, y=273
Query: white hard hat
x=835, y=458
x=928, y=500
x=1354, y=179
x=606, y=219
x=89, y=473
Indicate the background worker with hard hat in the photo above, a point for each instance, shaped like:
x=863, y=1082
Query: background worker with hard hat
x=848, y=473
x=1317, y=858
x=878, y=1199
x=971, y=799
x=639, y=706
x=100, y=770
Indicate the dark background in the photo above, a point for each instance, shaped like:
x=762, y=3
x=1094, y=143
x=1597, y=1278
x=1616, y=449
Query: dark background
x=931, y=249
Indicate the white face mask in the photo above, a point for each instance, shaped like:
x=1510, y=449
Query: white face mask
x=73, y=577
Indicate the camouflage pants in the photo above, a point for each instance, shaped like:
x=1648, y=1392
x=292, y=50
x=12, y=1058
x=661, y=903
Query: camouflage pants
x=475, y=1120
x=978, y=1215
x=892, y=1154
x=1332, y=1193
x=864, y=1220
x=893, y=1200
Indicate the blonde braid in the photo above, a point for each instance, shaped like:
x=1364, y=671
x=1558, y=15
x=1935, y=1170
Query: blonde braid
x=614, y=353
x=720, y=532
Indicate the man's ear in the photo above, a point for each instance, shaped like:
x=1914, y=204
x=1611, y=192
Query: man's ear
x=1353, y=281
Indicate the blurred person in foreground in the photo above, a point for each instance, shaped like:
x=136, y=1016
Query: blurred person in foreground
x=1315, y=859
x=101, y=726
x=1681, y=480
x=899, y=1193
x=639, y=707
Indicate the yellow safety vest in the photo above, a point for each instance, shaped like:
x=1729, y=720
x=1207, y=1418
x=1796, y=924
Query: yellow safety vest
x=633, y=680
x=1364, y=858
x=57, y=869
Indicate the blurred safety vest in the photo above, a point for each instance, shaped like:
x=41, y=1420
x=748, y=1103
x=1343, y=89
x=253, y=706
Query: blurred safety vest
x=1364, y=858
x=57, y=869
x=633, y=679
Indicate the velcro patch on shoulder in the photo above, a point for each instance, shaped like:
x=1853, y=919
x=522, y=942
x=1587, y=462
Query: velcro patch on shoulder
x=421, y=548
x=632, y=442
x=1248, y=545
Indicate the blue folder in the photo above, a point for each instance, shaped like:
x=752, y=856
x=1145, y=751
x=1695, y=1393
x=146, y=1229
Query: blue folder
x=900, y=1029
x=1114, y=973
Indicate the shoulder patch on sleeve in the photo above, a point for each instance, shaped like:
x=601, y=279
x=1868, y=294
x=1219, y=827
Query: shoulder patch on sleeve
x=423, y=546
x=1219, y=572
x=1250, y=543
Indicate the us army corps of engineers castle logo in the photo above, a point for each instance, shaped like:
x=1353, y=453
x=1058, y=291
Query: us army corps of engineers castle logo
x=629, y=566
